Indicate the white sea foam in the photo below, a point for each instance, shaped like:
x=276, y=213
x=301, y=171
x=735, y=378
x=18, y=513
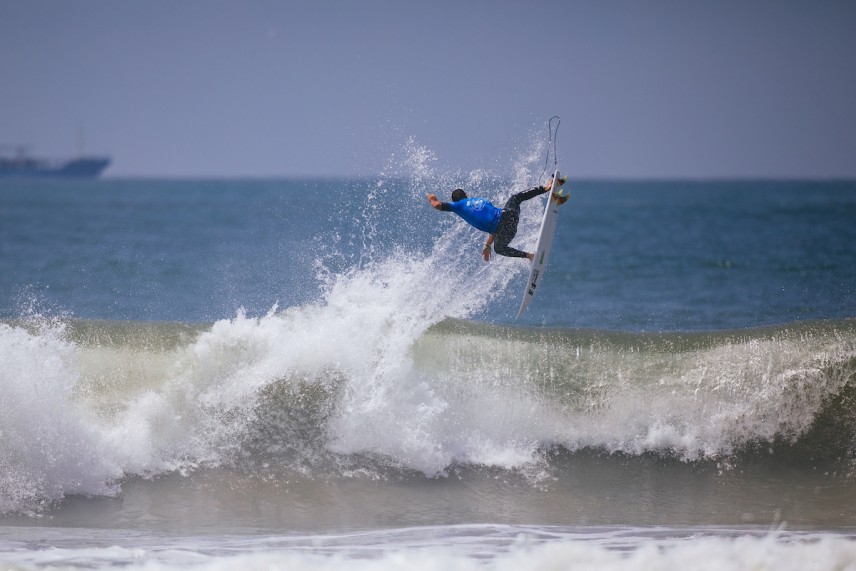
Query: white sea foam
x=821, y=553
x=49, y=446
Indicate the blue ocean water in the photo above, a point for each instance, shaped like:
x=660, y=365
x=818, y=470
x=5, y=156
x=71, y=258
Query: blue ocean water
x=631, y=256
x=324, y=373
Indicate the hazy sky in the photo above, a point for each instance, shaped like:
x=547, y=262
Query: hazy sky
x=321, y=87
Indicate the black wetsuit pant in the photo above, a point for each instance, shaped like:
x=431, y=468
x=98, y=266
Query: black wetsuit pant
x=507, y=227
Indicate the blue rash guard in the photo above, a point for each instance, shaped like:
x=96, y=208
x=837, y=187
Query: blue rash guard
x=477, y=212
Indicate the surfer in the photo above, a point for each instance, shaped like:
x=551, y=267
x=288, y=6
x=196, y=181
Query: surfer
x=500, y=224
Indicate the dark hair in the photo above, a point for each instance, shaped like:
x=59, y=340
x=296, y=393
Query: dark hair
x=458, y=194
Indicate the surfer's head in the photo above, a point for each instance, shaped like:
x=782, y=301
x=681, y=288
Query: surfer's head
x=458, y=194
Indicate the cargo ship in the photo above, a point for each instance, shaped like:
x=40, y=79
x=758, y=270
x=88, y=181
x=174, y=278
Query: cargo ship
x=21, y=165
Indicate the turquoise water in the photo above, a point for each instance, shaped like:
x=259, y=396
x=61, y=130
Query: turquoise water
x=324, y=374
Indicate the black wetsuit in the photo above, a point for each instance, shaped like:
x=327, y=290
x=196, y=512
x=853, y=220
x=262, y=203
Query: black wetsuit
x=507, y=227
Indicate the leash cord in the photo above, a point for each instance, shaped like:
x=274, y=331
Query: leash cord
x=552, y=135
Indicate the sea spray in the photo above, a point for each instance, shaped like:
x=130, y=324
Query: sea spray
x=137, y=410
x=387, y=407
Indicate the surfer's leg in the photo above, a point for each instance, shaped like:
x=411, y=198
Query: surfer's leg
x=505, y=250
x=507, y=228
x=505, y=232
x=527, y=195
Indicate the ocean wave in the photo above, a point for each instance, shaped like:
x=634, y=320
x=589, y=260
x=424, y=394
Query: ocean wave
x=695, y=395
x=89, y=403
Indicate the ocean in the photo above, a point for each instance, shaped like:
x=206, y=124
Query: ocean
x=324, y=374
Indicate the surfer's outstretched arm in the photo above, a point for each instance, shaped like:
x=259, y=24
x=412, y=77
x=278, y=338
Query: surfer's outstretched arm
x=432, y=198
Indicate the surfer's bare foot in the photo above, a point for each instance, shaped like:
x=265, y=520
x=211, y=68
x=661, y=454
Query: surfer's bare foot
x=529, y=256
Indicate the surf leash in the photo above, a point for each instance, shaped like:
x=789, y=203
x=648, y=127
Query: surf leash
x=552, y=135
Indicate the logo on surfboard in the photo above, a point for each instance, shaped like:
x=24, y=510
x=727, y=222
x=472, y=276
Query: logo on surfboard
x=533, y=283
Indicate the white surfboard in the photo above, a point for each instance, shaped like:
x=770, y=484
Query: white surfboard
x=542, y=248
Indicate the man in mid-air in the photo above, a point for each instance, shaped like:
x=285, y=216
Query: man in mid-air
x=500, y=224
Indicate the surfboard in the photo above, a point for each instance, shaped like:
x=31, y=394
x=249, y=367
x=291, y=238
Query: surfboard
x=542, y=247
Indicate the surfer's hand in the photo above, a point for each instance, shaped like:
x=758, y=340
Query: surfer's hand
x=432, y=198
x=486, y=252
